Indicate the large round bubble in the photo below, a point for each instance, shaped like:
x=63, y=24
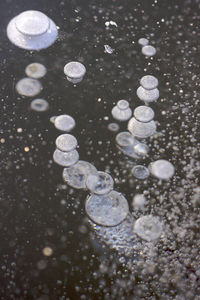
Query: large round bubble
x=65, y=159
x=66, y=142
x=100, y=183
x=64, y=123
x=149, y=228
x=162, y=169
x=28, y=87
x=141, y=130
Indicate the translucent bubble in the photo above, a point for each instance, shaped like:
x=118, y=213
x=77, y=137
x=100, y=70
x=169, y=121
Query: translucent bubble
x=162, y=169
x=144, y=113
x=76, y=175
x=107, y=210
x=100, y=183
x=52, y=119
x=140, y=172
x=113, y=127
x=122, y=111
x=141, y=130
x=148, y=50
x=28, y=87
x=149, y=82
x=125, y=139
x=66, y=142
x=39, y=105
x=147, y=95
x=65, y=159
x=141, y=149
x=139, y=201
x=74, y=71
x=35, y=70
x=32, y=30
x=148, y=228
x=64, y=123
x=143, y=42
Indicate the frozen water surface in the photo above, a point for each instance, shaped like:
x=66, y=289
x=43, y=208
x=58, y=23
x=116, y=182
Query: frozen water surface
x=76, y=175
x=28, y=87
x=100, y=183
x=107, y=210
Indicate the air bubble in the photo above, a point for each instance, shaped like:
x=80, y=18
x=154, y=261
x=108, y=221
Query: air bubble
x=65, y=159
x=149, y=228
x=74, y=71
x=148, y=95
x=35, y=70
x=66, y=142
x=149, y=82
x=162, y=169
x=140, y=172
x=141, y=130
x=39, y=105
x=64, y=123
x=100, y=183
x=148, y=50
x=28, y=87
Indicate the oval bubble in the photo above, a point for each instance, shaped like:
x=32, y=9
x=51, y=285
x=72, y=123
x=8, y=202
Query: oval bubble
x=65, y=159
x=125, y=139
x=64, y=123
x=140, y=172
x=149, y=228
x=39, y=105
x=162, y=169
x=148, y=50
x=141, y=130
x=144, y=113
x=143, y=42
x=107, y=210
x=113, y=127
x=74, y=71
x=76, y=175
x=147, y=95
x=100, y=183
x=121, y=111
x=149, y=82
x=28, y=87
x=66, y=142
x=35, y=70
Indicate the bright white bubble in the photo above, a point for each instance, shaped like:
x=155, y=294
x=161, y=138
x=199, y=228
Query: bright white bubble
x=144, y=113
x=149, y=228
x=141, y=130
x=121, y=111
x=162, y=169
x=28, y=87
x=32, y=30
x=76, y=175
x=64, y=123
x=149, y=82
x=35, y=70
x=74, y=71
x=39, y=105
x=140, y=172
x=139, y=201
x=147, y=95
x=100, y=183
x=148, y=50
x=107, y=210
x=141, y=149
x=66, y=142
x=125, y=139
x=65, y=159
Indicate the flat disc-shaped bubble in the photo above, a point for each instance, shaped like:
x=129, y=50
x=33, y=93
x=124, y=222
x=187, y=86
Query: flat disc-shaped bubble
x=76, y=175
x=64, y=123
x=66, y=142
x=113, y=127
x=143, y=41
x=141, y=149
x=141, y=130
x=107, y=210
x=148, y=50
x=125, y=139
x=28, y=87
x=32, y=30
x=144, y=113
x=65, y=159
x=100, y=183
x=121, y=114
x=35, y=70
x=162, y=169
x=74, y=71
x=140, y=172
x=149, y=82
x=39, y=105
x=147, y=95
x=148, y=228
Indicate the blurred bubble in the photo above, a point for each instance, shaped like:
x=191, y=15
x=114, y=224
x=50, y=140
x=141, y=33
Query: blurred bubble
x=76, y=175
x=107, y=210
x=100, y=183
x=113, y=127
x=148, y=50
x=148, y=228
x=35, y=70
x=143, y=42
x=141, y=149
x=162, y=169
x=28, y=87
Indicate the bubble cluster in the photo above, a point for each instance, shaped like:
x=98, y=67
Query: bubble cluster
x=143, y=42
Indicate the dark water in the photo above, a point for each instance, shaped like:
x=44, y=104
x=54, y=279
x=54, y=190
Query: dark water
x=37, y=210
